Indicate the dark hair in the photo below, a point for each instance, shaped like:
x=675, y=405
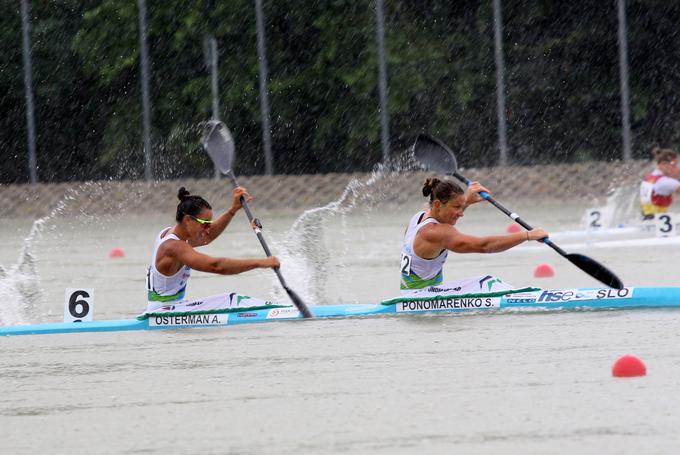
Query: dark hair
x=441, y=190
x=189, y=204
x=663, y=155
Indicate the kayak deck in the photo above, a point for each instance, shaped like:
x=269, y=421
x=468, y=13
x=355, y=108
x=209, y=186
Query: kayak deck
x=549, y=299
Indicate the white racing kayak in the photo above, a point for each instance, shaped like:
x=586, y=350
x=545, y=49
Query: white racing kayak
x=543, y=299
x=664, y=228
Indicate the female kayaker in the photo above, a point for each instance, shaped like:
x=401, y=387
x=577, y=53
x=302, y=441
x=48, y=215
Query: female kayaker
x=657, y=187
x=431, y=234
x=174, y=255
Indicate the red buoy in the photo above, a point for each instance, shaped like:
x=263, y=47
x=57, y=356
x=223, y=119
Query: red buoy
x=116, y=253
x=513, y=227
x=544, y=271
x=628, y=366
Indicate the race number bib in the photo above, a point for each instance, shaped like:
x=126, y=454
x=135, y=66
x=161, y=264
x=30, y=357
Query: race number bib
x=405, y=264
x=149, y=284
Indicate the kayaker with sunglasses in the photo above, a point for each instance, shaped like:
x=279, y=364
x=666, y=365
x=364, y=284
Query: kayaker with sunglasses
x=174, y=255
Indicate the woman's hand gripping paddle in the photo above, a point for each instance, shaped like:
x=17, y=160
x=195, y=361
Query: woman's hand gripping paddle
x=434, y=155
x=219, y=144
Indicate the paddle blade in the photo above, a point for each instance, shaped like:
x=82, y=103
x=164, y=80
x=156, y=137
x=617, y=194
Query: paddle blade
x=301, y=306
x=433, y=154
x=596, y=270
x=219, y=144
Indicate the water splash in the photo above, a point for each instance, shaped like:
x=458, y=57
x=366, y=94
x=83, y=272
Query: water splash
x=622, y=207
x=304, y=249
x=20, y=290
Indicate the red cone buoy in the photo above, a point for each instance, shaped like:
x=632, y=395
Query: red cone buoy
x=513, y=227
x=544, y=271
x=628, y=366
x=116, y=253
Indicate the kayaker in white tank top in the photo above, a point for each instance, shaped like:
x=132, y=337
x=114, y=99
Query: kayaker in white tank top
x=417, y=272
x=162, y=288
x=433, y=239
x=174, y=253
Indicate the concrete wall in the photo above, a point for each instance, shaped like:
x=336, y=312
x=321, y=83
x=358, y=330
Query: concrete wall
x=294, y=193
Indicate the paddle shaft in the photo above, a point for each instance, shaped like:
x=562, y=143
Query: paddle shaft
x=296, y=300
x=512, y=215
x=436, y=155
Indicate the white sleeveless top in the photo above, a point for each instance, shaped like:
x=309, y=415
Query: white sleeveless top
x=162, y=288
x=416, y=272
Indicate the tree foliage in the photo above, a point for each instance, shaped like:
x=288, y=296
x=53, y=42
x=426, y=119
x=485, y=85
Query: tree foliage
x=562, y=83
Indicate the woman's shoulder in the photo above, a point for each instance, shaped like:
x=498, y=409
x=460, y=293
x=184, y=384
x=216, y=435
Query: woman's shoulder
x=164, y=232
x=668, y=179
x=433, y=230
x=167, y=238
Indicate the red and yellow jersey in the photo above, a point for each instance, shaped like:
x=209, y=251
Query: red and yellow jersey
x=651, y=201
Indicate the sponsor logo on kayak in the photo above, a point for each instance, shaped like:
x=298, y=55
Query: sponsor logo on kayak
x=283, y=313
x=188, y=319
x=449, y=303
x=440, y=290
x=625, y=293
x=246, y=315
x=569, y=295
x=523, y=297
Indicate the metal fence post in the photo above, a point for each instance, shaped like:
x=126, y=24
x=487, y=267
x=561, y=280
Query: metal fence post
x=28, y=84
x=623, y=72
x=382, y=82
x=212, y=64
x=146, y=103
x=264, y=95
x=500, y=84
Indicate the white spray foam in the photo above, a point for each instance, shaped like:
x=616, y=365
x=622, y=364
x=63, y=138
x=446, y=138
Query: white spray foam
x=20, y=290
x=309, y=263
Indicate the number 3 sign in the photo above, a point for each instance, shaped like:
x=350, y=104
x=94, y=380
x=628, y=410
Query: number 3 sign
x=665, y=224
x=78, y=305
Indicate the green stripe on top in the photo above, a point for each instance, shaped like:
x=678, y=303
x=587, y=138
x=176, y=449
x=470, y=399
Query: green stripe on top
x=413, y=281
x=150, y=314
x=458, y=296
x=152, y=296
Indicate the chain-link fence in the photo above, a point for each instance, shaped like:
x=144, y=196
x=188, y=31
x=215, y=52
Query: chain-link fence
x=587, y=182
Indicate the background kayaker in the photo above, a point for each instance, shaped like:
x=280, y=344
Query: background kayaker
x=174, y=254
x=431, y=234
x=657, y=187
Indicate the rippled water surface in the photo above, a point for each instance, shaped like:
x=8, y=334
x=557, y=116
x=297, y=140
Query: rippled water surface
x=469, y=383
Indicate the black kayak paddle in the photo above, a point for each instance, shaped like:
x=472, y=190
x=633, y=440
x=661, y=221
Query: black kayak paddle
x=219, y=144
x=434, y=155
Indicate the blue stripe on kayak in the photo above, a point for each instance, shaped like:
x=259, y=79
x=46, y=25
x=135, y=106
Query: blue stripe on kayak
x=642, y=297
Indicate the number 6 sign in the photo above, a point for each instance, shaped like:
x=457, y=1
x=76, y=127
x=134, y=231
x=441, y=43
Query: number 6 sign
x=78, y=305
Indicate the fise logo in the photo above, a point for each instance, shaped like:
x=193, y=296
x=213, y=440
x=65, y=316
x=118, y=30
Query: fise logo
x=580, y=294
x=283, y=313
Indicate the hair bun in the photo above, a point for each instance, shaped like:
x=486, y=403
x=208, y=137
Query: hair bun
x=662, y=155
x=429, y=185
x=183, y=194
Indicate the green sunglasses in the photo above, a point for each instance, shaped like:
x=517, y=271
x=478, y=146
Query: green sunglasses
x=201, y=220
